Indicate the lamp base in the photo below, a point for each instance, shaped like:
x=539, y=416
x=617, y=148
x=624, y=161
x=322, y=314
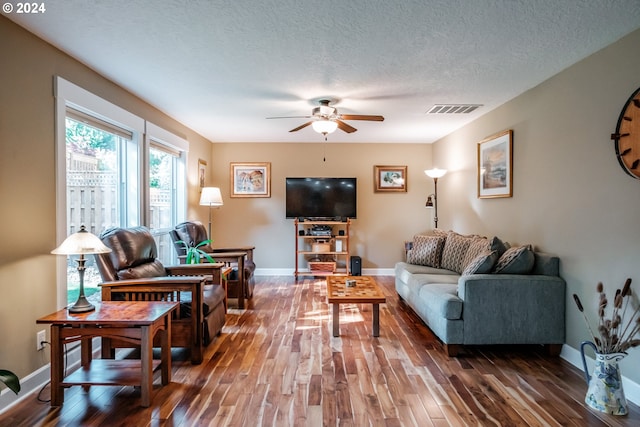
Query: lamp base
x=81, y=306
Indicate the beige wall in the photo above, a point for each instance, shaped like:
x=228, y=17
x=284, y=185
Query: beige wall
x=384, y=220
x=27, y=182
x=570, y=196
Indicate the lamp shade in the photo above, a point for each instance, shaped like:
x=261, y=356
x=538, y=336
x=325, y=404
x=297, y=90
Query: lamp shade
x=211, y=197
x=435, y=172
x=81, y=242
x=324, y=126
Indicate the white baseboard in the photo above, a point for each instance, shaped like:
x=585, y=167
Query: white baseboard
x=31, y=385
x=571, y=355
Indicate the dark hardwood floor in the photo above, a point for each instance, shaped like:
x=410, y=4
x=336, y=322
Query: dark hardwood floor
x=277, y=364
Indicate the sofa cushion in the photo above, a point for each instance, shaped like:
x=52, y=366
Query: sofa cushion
x=481, y=264
x=426, y=250
x=455, y=248
x=442, y=299
x=515, y=260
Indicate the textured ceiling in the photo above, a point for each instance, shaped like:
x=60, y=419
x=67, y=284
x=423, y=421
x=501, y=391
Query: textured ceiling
x=221, y=67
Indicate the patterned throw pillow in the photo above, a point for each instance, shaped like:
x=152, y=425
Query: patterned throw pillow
x=426, y=250
x=478, y=246
x=455, y=248
x=515, y=260
x=481, y=264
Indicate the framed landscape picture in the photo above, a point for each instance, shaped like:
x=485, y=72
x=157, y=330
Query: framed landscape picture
x=495, y=166
x=390, y=179
x=250, y=179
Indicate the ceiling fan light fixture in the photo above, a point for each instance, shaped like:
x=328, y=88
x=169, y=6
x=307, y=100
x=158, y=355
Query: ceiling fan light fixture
x=324, y=126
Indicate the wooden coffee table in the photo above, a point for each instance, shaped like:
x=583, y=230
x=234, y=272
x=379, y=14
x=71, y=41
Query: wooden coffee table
x=138, y=322
x=366, y=291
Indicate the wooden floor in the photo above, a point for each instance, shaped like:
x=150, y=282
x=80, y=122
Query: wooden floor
x=277, y=364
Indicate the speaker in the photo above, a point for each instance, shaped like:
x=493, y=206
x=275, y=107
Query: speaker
x=340, y=232
x=356, y=266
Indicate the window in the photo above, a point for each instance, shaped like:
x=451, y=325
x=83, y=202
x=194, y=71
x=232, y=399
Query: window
x=101, y=175
x=166, y=178
x=98, y=193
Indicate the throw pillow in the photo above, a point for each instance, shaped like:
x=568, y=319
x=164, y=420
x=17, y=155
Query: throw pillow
x=455, y=248
x=481, y=264
x=478, y=245
x=426, y=250
x=498, y=245
x=515, y=260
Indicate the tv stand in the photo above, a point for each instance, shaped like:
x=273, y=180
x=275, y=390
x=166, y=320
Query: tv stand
x=322, y=247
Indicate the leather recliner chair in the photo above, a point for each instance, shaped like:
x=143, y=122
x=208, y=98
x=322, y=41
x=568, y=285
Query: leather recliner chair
x=131, y=272
x=194, y=232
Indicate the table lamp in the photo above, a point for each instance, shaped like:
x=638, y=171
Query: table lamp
x=81, y=243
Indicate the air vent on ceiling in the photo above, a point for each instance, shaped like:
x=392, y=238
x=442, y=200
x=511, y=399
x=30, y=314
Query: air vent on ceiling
x=453, y=108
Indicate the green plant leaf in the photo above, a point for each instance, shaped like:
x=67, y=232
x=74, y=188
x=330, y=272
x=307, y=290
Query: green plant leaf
x=10, y=380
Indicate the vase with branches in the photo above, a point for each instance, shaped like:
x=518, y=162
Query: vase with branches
x=614, y=334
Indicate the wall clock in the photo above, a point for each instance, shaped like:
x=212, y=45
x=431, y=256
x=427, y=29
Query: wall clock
x=627, y=136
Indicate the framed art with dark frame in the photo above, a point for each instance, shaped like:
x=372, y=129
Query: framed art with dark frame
x=389, y=179
x=202, y=172
x=250, y=179
x=495, y=166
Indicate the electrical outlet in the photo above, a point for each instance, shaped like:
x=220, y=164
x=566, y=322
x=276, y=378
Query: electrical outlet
x=41, y=337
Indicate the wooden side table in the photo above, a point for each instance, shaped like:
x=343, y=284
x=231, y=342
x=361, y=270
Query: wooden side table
x=135, y=321
x=234, y=257
x=365, y=291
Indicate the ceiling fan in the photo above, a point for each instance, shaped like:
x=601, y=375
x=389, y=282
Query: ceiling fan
x=326, y=119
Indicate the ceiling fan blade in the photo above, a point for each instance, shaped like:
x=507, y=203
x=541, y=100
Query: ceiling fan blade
x=290, y=117
x=345, y=127
x=301, y=127
x=361, y=117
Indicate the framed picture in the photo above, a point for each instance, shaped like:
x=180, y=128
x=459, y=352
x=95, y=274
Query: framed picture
x=202, y=172
x=495, y=166
x=390, y=179
x=250, y=179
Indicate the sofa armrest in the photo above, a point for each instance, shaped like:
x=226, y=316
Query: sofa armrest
x=513, y=309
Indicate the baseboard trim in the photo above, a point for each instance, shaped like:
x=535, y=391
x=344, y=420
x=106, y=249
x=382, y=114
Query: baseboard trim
x=631, y=388
x=31, y=385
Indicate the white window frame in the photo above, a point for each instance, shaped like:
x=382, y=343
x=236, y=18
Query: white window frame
x=155, y=135
x=68, y=94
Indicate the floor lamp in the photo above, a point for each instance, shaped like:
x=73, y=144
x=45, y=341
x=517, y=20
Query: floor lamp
x=81, y=243
x=211, y=197
x=433, y=203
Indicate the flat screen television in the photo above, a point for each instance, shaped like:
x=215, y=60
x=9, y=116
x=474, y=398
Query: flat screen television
x=321, y=198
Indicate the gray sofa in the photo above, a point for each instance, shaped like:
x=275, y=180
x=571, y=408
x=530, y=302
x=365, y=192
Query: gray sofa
x=473, y=290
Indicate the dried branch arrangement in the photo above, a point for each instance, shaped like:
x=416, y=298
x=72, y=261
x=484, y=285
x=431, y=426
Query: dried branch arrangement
x=614, y=334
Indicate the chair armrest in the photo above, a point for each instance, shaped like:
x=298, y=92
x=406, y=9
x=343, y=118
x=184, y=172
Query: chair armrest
x=210, y=270
x=247, y=249
x=181, y=282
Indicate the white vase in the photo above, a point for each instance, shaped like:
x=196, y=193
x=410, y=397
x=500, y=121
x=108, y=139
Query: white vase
x=605, y=392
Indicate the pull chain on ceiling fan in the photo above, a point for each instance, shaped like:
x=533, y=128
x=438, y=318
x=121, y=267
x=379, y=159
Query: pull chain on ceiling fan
x=326, y=119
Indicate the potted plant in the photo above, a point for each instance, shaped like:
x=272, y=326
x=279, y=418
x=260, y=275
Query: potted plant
x=10, y=380
x=194, y=254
